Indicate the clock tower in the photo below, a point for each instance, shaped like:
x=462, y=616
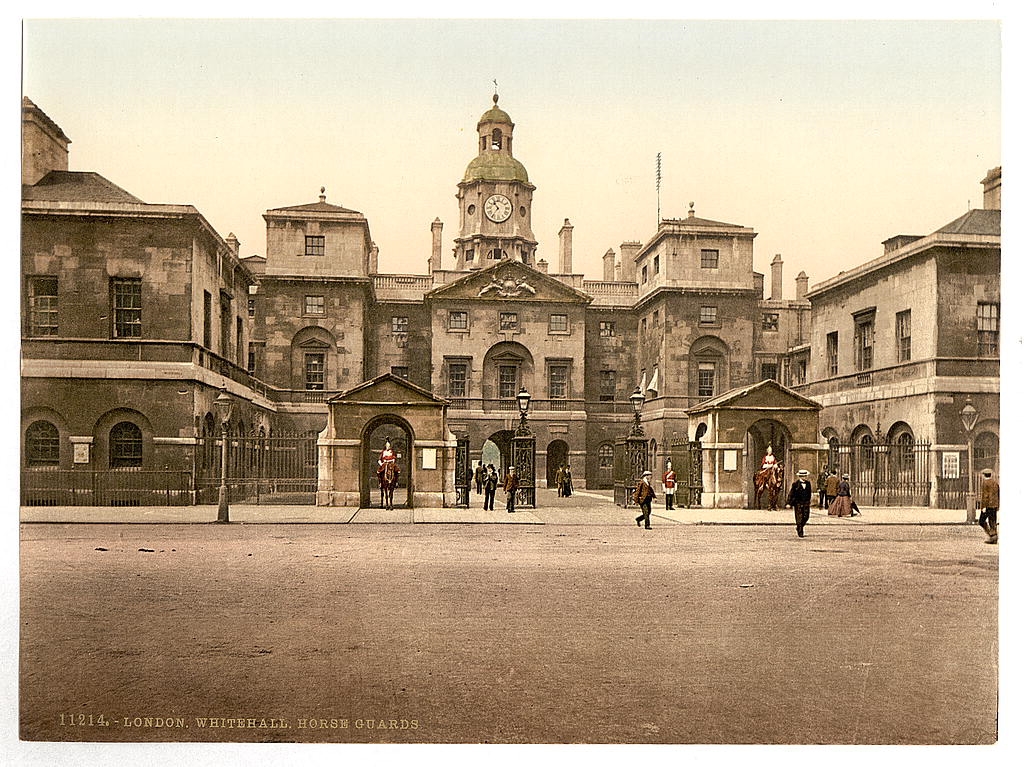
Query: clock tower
x=494, y=196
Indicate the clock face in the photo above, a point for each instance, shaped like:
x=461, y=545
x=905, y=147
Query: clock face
x=498, y=208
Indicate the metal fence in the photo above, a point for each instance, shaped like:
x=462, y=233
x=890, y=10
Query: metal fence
x=113, y=487
x=889, y=473
x=281, y=469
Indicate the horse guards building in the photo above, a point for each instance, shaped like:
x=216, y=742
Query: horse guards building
x=155, y=358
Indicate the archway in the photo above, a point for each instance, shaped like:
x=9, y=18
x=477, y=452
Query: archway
x=557, y=455
x=497, y=449
x=762, y=434
x=376, y=431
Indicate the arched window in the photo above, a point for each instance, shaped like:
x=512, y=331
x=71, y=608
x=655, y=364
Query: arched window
x=496, y=138
x=833, y=453
x=904, y=457
x=125, y=445
x=42, y=444
x=986, y=450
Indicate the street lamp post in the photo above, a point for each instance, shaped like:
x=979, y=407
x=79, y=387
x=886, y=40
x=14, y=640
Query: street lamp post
x=223, y=403
x=636, y=399
x=969, y=417
x=523, y=398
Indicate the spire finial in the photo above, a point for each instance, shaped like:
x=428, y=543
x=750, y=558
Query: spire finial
x=323, y=196
x=495, y=92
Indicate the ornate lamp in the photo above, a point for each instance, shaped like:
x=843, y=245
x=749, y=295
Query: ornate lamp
x=523, y=399
x=969, y=418
x=223, y=404
x=636, y=399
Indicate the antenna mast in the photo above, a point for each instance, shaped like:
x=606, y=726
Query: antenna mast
x=657, y=184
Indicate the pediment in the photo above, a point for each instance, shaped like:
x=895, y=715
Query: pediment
x=388, y=388
x=765, y=395
x=509, y=281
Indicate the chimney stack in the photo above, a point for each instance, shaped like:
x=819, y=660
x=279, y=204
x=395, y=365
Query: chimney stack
x=542, y=266
x=565, y=248
x=992, y=188
x=627, y=252
x=776, y=278
x=435, y=245
x=609, y=266
x=44, y=147
x=232, y=243
x=801, y=285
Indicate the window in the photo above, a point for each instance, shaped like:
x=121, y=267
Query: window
x=239, y=349
x=558, y=381
x=316, y=370
x=399, y=324
x=458, y=321
x=657, y=264
x=251, y=362
x=657, y=318
x=400, y=371
x=708, y=315
x=799, y=372
x=314, y=245
x=864, y=341
x=988, y=329
x=42, y=306
x=769, y=371
x=496, y=254
x=252, y=306
x=643, y=325
x=225, y=324
x=607, y=384
x=605, y=457
x=469, y=252
x=207, y=319
x=125, y=446
x=643, y=274
x=558, y=323
x=315, y=305
x=508, y=381
x=457, y=374
x=42, y=444
x=770, y=321
x=508, y=321
x=708, y=258
x=606, y=328
x=903, y=336
x=832, y=353
x=705, y=379
x=127, y=301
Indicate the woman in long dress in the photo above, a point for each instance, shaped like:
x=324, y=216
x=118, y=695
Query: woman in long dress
x=842, y=506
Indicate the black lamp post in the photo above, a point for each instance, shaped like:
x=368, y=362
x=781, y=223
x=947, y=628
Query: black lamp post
x=969, y=418
x=523, y=399
x=223, y=403
x=636, y=399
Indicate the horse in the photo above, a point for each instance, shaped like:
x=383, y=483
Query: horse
x=769, y=479
x=387, y=476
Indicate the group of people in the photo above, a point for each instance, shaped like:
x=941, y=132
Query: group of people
x=487, y=481
x=563, y=481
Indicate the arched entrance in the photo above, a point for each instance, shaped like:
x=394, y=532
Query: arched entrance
x=557, y=455
x=400, y=433
x=759, y=436
x=497, y=449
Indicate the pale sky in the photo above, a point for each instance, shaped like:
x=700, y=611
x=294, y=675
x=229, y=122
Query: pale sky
x=824, y=137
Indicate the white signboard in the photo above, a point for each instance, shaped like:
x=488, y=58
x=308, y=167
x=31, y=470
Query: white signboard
x=951, y=465
x=729, y=460
x=429, y=457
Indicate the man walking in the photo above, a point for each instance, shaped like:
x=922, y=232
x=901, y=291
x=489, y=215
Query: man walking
x=511, y=486
x=831, y=487
x=643, y=496
x=490, y=487
x=823, y=487
x=800, y=499
x=989, y=505
x=668, y=481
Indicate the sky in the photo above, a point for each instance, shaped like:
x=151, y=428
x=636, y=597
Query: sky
x=825, y=137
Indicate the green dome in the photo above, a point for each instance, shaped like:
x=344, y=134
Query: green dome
x=496, y=166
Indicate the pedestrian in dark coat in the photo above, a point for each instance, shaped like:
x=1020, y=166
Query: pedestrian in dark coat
x=567, y=482
x=643, y=496
x=831, y=488
x=479, y=476
x=989, y=505
x=511, y=486
x=842, y=504
x=800, y=499
x=822, y=488
x=490, y=486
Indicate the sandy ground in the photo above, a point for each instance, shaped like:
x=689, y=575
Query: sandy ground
x=507, y=634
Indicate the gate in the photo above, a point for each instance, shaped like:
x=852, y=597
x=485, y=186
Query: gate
x=462, y=472
x=889, y=473
x=631, y=459
x=524, y=458
x=281, y=469
x=688, y=462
